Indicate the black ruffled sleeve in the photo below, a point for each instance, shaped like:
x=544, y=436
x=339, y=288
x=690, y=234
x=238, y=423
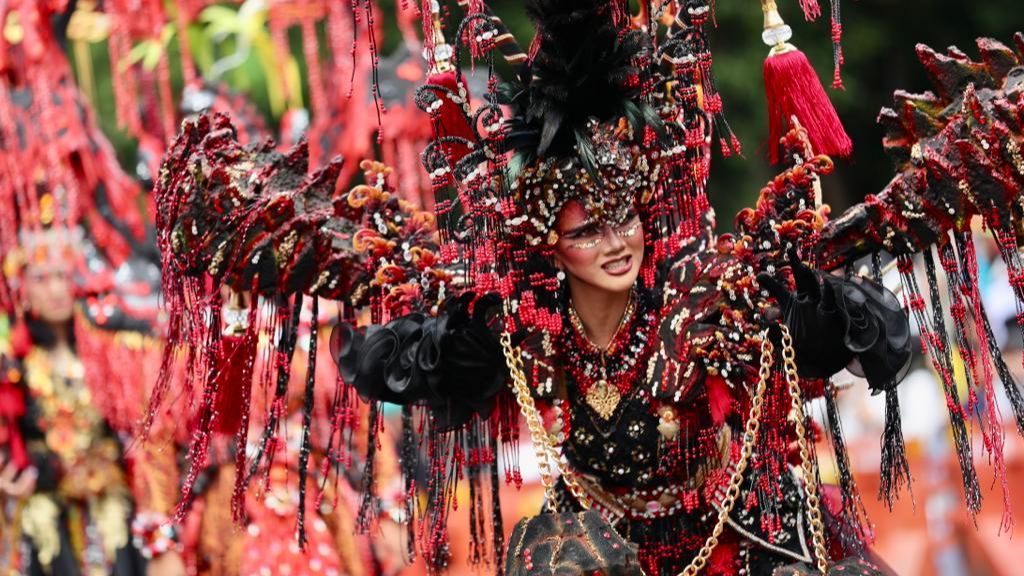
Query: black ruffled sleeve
x=452, y=363
x=877, y=330
x=838, y=322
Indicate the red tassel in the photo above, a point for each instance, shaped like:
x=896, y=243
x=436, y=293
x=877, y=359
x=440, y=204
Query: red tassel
x=12, y=409
x=21, y=340
x=793, y=89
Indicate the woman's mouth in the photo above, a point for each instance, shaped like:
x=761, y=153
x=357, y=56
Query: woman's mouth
x=619, y=266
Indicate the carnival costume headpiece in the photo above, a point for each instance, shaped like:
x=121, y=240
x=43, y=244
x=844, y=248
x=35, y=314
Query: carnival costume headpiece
x=581, y=128
x=600, y=113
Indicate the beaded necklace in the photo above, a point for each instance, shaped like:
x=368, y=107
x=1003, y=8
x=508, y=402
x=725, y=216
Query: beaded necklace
x=604, y=376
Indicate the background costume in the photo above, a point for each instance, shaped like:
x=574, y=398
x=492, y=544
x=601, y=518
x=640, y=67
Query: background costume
x=66, y=202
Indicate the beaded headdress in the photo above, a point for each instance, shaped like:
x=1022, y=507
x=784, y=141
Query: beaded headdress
x=602, y=112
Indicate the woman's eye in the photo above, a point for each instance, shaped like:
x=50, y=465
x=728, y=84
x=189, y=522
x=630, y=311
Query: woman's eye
x=630, y=226
x=583, y=233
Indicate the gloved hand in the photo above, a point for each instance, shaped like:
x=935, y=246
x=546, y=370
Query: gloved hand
x=838, y=322
x=813, y=320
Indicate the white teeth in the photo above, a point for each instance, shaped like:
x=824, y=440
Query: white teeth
x=617, y=265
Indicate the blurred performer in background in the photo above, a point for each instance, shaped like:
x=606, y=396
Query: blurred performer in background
x=78, y=292
x=77, y=517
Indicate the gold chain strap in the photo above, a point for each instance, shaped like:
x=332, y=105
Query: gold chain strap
x=808, y=465
x=546, y=452
x=749, y=437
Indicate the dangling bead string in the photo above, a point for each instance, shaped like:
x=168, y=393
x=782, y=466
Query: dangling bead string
x=895, y=469
x=375, y=74
x=344, y=419
x=1006, y=242
x=307, y=420
x=838, y=59
x=476, y=528
x=958, y=312
x=962, y=277
x=693, y=19
x=508, y=433
x=409, y=458
x=242, y=435
x=285, y=349
x=965, y=247
x=369, y=505
x=339, y=26
x=967, y=254
x=937, y=333
x=497, y=526
x=198, y=450
x=853, y=506
x=932, y=345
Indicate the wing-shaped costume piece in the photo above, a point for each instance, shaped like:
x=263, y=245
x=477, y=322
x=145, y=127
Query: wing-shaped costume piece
x=243, y=213
x=251, y=219
x=957, y=153
x=957, y=150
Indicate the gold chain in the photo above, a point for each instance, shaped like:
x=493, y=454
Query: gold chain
x=749, y=437
x=546, y=452
x=808, y=465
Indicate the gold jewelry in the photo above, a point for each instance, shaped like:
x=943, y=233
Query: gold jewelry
x=749, y=436
x=602, y=396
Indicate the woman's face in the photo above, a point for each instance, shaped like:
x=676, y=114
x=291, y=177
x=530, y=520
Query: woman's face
x=596, y=253
x=48, y=290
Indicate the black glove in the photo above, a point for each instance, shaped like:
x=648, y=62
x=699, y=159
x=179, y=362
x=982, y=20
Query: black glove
x=837, y=322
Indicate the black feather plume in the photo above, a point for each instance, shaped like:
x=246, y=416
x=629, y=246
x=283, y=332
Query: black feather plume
x=586, y=67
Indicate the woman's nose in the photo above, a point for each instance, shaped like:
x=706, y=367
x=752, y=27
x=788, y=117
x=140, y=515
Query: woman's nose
x=615, y=242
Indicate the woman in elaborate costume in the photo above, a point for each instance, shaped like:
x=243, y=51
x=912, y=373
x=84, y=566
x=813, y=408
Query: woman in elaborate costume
x=575, y=260
x=78, y=517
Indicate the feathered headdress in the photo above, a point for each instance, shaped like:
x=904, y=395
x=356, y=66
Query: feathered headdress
x=582, y=123
x=587, y=69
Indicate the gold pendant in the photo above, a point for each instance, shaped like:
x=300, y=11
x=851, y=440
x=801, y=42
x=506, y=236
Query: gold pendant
x=603, y=398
